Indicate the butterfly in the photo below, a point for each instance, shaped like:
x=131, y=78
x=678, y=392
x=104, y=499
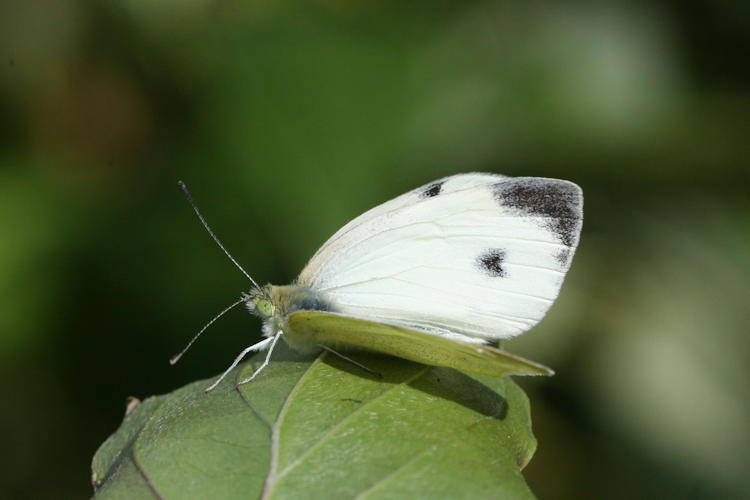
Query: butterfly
x=436, y=276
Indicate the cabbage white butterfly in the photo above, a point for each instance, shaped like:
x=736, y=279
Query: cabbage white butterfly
x=432, y=276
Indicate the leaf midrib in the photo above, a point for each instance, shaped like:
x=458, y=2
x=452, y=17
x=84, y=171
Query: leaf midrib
x=271, y=478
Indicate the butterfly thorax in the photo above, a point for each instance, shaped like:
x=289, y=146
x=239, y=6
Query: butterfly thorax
x=273, y=304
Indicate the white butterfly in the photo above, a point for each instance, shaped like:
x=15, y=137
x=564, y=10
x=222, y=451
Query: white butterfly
x=433, y=275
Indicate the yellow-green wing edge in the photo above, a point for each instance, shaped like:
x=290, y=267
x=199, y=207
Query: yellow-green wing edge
x=335, y=330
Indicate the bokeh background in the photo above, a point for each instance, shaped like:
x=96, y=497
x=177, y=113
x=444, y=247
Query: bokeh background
x=287, y=119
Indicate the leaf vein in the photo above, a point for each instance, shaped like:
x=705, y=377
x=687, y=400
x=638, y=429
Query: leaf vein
x=253, y=408
x=428, y=449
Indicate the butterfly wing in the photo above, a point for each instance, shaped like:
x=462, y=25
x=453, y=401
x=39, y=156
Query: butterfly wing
x=470, y=257
x=335, y=330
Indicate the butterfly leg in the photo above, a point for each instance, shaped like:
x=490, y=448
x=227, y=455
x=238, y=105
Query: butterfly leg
x=350, y=360
x=273, y=340
x=255, y=347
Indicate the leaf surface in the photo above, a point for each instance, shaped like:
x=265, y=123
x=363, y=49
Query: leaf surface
x=323, y=428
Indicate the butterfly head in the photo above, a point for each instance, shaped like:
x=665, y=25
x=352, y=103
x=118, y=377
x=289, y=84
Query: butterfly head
x=260, y=303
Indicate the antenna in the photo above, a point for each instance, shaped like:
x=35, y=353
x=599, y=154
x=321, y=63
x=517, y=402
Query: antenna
x=174, y=359
x=205, y=224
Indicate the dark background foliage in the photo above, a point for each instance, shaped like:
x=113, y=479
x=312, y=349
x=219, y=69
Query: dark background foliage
x=287, y=119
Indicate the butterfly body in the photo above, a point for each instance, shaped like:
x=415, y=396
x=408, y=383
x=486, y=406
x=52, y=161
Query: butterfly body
x=275, y=304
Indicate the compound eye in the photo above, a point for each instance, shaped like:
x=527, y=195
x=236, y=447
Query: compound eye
x=264, y=307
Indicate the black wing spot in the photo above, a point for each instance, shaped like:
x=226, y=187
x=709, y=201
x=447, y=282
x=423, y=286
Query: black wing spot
x=558, y=200
x=432, y=190
x=491, y=263
x=563, y=256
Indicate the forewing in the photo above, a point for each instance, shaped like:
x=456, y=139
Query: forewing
x=478, y=257
x=335, y=330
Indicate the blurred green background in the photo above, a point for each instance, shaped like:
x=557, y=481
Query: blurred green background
x=287, y=119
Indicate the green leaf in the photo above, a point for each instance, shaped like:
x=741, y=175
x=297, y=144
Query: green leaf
x=323, y=428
